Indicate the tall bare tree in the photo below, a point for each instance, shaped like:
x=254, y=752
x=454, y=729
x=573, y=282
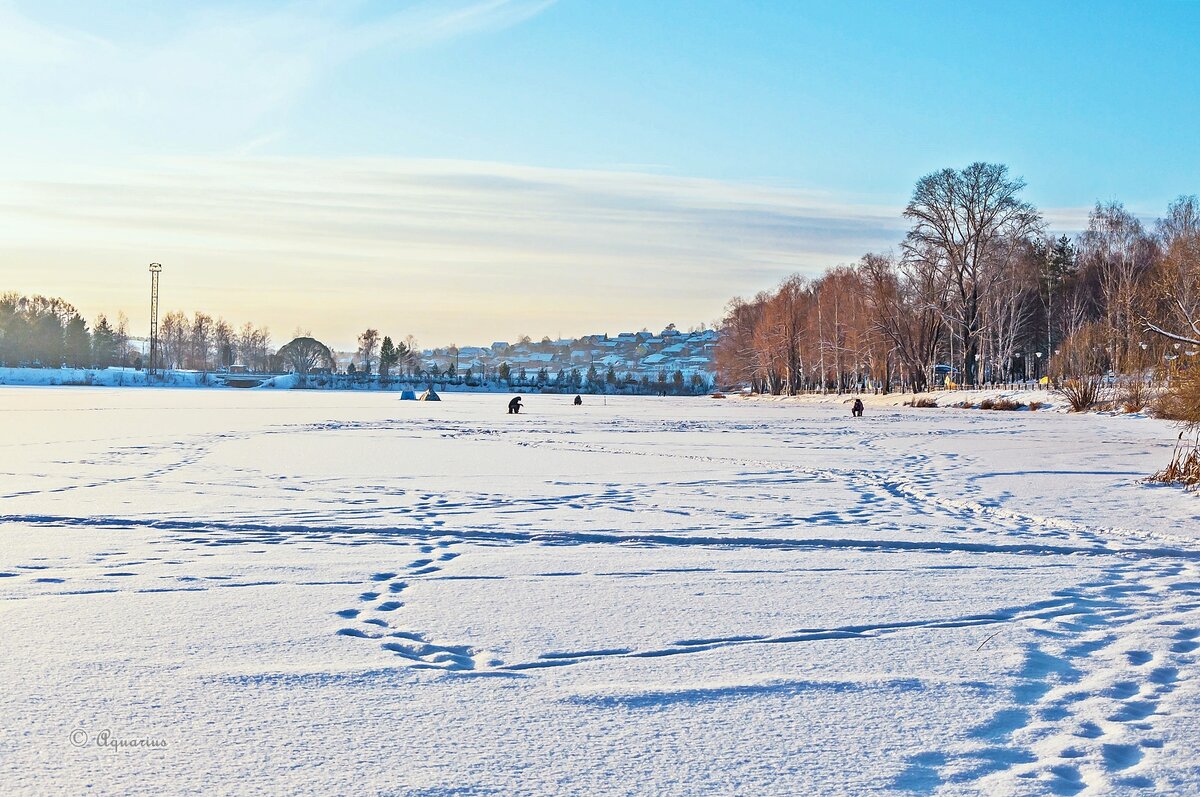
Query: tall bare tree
x=1119, y=253
x=965, y=222
x=224, y=346
x=368, y=349
x=174, y=333
x=201, y=341
x=907, y=300
x=1177, y=281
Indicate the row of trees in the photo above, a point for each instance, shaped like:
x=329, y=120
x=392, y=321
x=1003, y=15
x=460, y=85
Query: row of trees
x=593, y=381
x=43, y=331
x=38, y=331
x=387, y=355
x=979, y=293
x=202, y=343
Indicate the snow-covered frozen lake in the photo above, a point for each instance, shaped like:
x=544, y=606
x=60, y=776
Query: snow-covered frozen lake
x=284, y=592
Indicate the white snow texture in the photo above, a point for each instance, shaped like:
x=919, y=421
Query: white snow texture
x=290, y=592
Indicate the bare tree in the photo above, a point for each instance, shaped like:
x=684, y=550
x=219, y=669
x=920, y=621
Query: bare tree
x=262, y=348
x=224, y=345
x=737, y=357
x=907, y=300
x=254, y=347
x=1009, y=308
x=1177, y=282
x=963, y=221
x=246, y=344
x=201, y=342
x=368, y=349
x=121, y=338
x=410, y=355
x=174, y=334
x=1117, y=249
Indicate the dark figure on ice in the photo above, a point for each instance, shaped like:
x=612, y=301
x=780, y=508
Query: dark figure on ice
x=578, y=400
x=857, y=409
x=514, y=406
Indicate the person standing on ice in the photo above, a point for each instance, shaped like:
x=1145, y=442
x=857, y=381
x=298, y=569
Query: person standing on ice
x=578, y=400
x=857, y=409
x=514, y=406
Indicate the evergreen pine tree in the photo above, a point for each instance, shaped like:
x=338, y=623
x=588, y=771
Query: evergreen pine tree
x=77, y=343
x=45, y=341
x=388, y=356
x=104, y=347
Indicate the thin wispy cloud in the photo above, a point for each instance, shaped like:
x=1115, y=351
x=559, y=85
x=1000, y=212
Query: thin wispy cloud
x=458, y=249
x=208, y=77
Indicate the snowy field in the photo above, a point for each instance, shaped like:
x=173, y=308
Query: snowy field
x=285, y=592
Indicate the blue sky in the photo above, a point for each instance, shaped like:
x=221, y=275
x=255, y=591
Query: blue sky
x=1087, y=100
x=548, y=166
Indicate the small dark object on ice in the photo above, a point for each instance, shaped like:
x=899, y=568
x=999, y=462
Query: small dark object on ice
x=578, y=400
x=857, y=409
x=514, y=406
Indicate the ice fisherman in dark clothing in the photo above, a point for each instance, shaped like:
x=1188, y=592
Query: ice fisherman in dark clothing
x=514, y=406
x=578, y=400
x=857, y=409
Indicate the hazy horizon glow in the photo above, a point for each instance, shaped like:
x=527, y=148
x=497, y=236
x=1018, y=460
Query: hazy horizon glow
x=472, y=170
x=447, y=251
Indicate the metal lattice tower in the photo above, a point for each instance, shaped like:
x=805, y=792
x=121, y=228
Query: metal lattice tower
x=155, y=270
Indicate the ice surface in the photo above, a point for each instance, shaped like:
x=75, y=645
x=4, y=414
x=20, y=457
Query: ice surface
x=322, y=593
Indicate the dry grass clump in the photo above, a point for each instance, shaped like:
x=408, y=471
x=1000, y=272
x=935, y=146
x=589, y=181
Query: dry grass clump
x=967, y=405
x=1181, y=402
x=1000, y=404
x=923, y=401
x=1034, y=406
x=1184, y=467
x=1082, y=393
x=1134, y=396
